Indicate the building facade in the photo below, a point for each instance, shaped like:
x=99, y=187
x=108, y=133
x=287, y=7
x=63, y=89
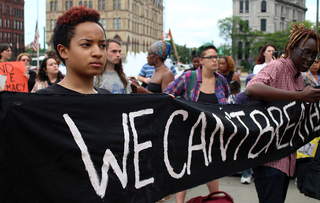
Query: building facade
x=12, y=25
x=136, y=23
x=268, y=16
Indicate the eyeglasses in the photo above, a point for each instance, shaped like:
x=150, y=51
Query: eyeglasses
x=211, y=57
x=308, y=56
x=26, y=60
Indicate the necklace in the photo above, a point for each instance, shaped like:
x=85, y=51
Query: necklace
x=160, y=67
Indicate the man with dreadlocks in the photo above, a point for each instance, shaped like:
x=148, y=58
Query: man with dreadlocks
x=279, y=80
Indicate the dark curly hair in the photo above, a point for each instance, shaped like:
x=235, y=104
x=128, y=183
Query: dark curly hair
x=42, y=71
x=66, y=23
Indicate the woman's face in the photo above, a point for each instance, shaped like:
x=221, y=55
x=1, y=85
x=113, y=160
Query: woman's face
x=223, y=65
x=268, y=53
x=195, y=62
x=151, y=58
x=52, y=67
x=315, y=67
x=25, y=59
x=87, y=53
x=211, y=64
x=6, y=55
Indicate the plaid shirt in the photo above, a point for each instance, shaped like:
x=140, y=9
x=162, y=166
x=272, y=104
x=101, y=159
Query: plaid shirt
x=180, y=87
x=281, y=74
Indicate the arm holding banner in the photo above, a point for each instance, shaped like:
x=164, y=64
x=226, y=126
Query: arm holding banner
x=263, y=92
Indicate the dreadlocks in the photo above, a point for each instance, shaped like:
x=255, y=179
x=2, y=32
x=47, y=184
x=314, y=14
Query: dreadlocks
x=300, y=33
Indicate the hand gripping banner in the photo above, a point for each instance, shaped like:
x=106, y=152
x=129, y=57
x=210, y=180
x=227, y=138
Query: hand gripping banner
x=136, y=148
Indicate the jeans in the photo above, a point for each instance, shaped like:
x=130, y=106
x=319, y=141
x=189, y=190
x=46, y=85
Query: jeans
x=271, y=184
x=246, y=173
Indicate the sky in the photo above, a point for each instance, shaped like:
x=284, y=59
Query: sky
x=192, y=23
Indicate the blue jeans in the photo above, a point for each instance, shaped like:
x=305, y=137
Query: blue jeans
x=246, y=173
x=271, y=184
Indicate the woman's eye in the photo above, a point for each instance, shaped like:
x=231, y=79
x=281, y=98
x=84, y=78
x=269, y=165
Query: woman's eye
x=85, y=44
x=103, y=45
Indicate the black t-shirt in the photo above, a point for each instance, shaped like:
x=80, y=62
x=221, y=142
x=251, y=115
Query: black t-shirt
x=58, y=89
x=31, y=80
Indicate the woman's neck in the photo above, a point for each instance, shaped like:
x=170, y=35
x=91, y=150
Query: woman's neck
x=83, y=85
x=158, y=66
x=267, y=60
x=206, y=73
x=313, y=73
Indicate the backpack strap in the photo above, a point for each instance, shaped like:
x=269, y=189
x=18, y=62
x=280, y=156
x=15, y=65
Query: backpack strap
x=191, y=84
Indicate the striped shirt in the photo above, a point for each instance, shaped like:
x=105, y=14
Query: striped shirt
x=281, y=74
x=180, y=87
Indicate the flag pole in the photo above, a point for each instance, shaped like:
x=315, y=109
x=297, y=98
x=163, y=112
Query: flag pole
x=37, y=43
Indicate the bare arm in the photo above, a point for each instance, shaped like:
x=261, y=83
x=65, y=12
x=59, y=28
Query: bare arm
x=143, y=79
x=167, y=77
x=236, y=78
x=267, y=93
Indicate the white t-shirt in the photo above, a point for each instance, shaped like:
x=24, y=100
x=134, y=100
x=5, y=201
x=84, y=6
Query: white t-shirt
x=258, y=67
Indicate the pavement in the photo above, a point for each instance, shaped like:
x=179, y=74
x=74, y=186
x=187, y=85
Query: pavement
x=244, y=193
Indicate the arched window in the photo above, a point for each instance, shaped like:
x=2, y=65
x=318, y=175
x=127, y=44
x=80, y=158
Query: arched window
x=241, y=6
x=247, y=6
x=240, y=50
x=263, y=6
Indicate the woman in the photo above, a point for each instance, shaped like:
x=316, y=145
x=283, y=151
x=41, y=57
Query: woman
x=195, y=63
x=265, y=56
x=49, y=74
x=113, y=77
x=312, y=77
x=80, y=43
x=5, y=52
x=227, y=68
x=30, y=74
x=162, y=75
x=209, y=87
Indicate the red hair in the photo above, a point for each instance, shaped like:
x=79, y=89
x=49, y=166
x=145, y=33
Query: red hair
x=76, y=15
x=261, y=59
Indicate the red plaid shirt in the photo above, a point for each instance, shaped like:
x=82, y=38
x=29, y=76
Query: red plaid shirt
x=281, y=74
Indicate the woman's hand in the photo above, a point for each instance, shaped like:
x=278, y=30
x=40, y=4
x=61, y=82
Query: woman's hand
x=26, y=74
x=134, y=81
x=142, y=90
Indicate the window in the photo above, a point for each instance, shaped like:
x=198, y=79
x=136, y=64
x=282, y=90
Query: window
x=247, y=6
x=21, y=25
x=263, y=6
x=240, y=50
x=0, y=22
x=241, y=6
x=9, y=37
x=86, y=4
x=99, y=5
x=8, y=23
x=71, y=4
x=56, y=6
x=51, y=24
x=14, y=24
x=1, y=37
x=5, y=37
x=114, y=4
x=104, y=23
x=119, y=23
x=103, y=5
x=5, y=23
x=114, y=23
x=90, y=4
x=1, y=11
x=67, y=5
x=80, y=3
x=263, y=24
x=119, y=4
x=294, y=14
x=247, y=50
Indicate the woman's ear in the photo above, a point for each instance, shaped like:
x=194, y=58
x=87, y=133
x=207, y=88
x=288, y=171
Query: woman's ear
x=63, y=51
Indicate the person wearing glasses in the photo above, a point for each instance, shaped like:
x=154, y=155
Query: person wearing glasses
x=209, y=87
x=227, y=68
x=30, y=74
x=280, y=80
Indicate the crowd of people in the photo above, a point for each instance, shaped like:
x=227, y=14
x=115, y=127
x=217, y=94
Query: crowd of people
x=93, y=66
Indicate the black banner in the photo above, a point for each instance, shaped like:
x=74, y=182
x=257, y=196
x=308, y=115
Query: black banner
x=136, y=148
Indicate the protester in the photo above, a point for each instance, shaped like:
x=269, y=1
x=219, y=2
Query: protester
x=239, y=99
x=113, y=77
x=265, y=56
x=195, y=62
x=235, y=89
x=280, y=80
x=30, y=74
x=312, y=77
x=48, y=74
x=162, y=75
x=209, y=87
x=227, y=68
x=53, y=54
x=146, y=72
x=80, y=42
x=5, y=52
